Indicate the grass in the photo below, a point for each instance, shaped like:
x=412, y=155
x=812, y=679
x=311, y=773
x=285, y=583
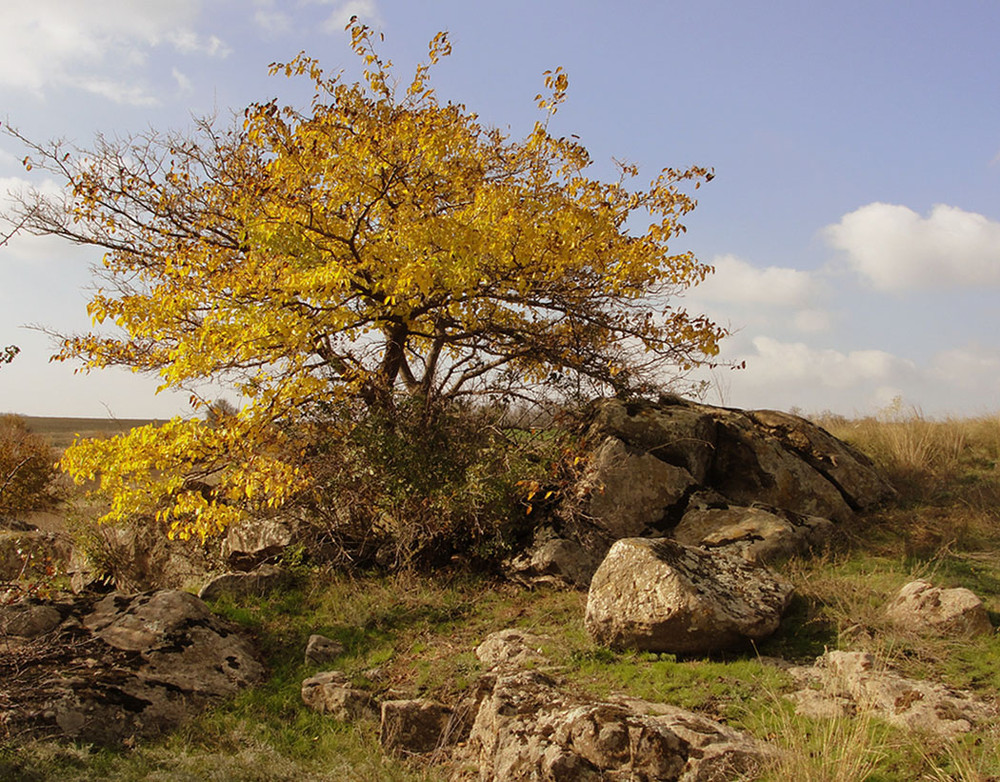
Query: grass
x=414, y=636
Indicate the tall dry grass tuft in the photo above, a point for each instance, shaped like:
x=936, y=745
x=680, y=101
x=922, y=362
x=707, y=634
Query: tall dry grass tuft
x=925, y=457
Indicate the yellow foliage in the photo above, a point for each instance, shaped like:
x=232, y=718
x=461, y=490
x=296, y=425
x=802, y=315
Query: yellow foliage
x=374, y=244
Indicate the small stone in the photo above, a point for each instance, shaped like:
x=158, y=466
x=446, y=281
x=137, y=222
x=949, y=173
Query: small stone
x=924, y=607
x=321, y=650
x=331, y=693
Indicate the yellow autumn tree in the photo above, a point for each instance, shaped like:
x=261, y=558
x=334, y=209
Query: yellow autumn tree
x=378, y=244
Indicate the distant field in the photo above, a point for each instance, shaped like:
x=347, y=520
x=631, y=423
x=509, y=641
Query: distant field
x=60, y=432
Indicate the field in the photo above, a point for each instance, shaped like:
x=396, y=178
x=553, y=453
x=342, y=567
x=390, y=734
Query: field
x=60, y=432
x=415, y=635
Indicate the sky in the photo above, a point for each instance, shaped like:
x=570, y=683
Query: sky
x=853, y=221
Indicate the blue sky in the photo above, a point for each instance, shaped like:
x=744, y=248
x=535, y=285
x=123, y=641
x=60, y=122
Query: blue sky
x=854, y=220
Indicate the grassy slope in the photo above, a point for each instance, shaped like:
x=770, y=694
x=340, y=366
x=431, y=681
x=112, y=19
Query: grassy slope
x=415, y=636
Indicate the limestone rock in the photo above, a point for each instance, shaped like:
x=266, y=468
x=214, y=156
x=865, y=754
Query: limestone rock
x=658, y=595
x=924, y=607
x=758, y=535
x=256, y=541
x=321, y=650
x=124, y=666
x=257, y=582
x=843, y=683
x=415, y=726
x=331, y=693
x=631, y=492
x=510, y=648
x=529, y=729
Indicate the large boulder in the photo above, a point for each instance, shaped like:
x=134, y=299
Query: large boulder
x=658, y=595
x=631, y=492
x=125, y=666
x=754, y=466
x=923, y=607
x=527, y=728
x=749, y=457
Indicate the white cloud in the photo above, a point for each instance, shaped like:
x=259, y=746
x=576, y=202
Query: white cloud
x=894, y=248
x=796, y=361
x=183, y=82
x=46, y=43
x=737, y=281
x=273, y=22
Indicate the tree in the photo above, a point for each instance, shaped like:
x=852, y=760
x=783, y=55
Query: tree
x=7, y=354
x=378, y=244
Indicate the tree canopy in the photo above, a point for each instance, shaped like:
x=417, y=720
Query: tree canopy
x=378, y=243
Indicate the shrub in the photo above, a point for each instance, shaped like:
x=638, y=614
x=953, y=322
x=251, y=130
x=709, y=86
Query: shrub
x=420, y=486
x=27, y=468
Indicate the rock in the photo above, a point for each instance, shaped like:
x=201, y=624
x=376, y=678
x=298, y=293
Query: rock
x=752, y=466
x=629, y=492
x=681, y=434
x=848, y=469
x=527, y=728
x=758, y=535
x=331, y=693
x=554, y=561
x=139, y=557
x=321, y=650
x=125, y=666
x=718, y=753
x=256, y=541
x=28, y=619
x=658, y=595
x=415, y=726
x=511, y=648
x=923, y=607
x=264, y=579
x=845, y=683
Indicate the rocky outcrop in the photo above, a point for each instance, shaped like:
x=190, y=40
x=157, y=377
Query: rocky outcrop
x=752, y=458
x=527, y=728
x=923, y=607
x=842, y=684
x=658, y=595
x=102, y=671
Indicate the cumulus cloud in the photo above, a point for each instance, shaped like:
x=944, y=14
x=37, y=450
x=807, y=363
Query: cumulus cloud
x=46, y=43
x=796, y=361
x=737, y=281
x=893, y=248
